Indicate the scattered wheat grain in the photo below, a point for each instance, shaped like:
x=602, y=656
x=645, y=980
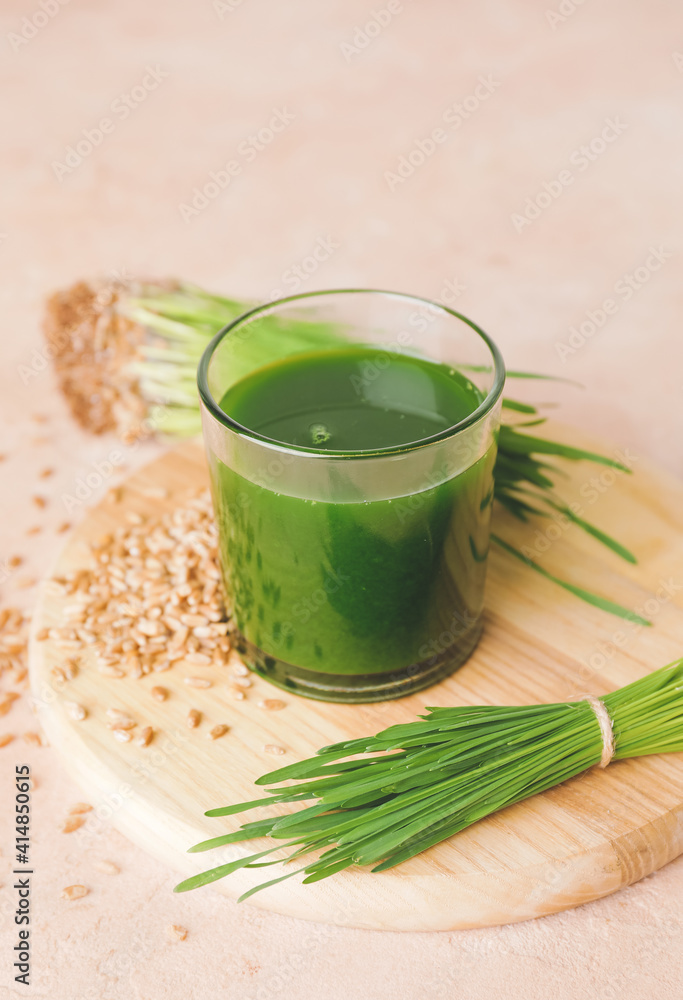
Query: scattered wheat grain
x=75, y=710
x=74, y=892
x=145, y=737
x=108, y=867
x=218, y=731
x=73, y=823
x=271, y=704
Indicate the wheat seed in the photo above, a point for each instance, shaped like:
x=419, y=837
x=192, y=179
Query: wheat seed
x=73, y=823
x=70, y=669
x=159, y=693
x=110, y=671
x=198, y=659
x=75, y=711
x=80, y=807
x=198, y=682
x=274, y=749
x=193, y=718
x=108, y=867
x=74, y=892
x=178, y=932
x=123, y=722
x=5, y=739
x=7, y=701
x=145, y=737
x=117, y=715
x=218, y=731
x=122, y=735
x=271, y=704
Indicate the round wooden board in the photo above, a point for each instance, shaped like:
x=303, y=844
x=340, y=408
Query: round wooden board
x=567, y=846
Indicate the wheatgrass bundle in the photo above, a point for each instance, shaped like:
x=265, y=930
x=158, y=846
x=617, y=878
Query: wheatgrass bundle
x=414, y=785
x=126, y=355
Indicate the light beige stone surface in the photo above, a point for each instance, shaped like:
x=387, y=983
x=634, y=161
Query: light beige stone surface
x=223, y=71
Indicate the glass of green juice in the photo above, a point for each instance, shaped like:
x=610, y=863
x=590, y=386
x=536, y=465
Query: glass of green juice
x=351, y=438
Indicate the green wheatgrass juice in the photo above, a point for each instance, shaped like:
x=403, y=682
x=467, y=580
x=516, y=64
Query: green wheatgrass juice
x=360, y=587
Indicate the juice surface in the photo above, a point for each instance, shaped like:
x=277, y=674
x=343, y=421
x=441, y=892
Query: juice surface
x=356, y=587
x=352, y=399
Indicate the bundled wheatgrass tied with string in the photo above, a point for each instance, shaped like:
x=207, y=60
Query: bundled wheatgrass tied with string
x=380, y=800
x=126, y=355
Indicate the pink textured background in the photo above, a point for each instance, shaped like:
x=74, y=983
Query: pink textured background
x=355, y=114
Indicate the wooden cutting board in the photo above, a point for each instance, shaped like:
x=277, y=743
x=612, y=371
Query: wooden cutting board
x=570, y=845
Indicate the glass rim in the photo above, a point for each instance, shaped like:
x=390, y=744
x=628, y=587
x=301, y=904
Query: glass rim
x=228, y=422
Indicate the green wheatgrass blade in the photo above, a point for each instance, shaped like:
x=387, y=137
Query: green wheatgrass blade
x=511, y=404
x=332, y=869
x=266, y=885
x=215, y=873
x=498, y=756
x=248, y=831
x=602, y=603
x=531, y=423
x=515, y=443
x=591, y=529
